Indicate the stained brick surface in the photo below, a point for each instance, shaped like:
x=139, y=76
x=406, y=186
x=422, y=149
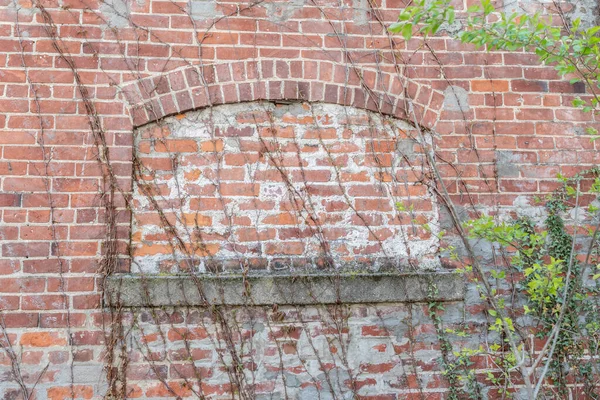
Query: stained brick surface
x=270, y=183
x=84, y=88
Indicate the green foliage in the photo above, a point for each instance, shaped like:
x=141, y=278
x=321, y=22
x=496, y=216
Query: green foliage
x=543, y=255
x=430, y=14
x=545, y=284
x=574, y=51
x=542, y=264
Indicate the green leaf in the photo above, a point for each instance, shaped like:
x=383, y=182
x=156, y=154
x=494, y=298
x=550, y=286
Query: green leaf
x=451, y=15
x=407, y=31
x=395, y=27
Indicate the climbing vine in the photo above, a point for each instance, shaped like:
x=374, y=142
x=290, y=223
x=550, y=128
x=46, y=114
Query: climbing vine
x=539, y=288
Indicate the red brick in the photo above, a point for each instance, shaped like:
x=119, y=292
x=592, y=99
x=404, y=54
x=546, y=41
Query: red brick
x=42, y=339
x=43, y=266
x=529, y=86
x=70, y=392
x=22, y=285
x=66, y=249
x=87, y=302
x=9, y=303
x=535, y=114
x=21, y=320
x=25, y=249
x=180, y=334
x=285, y=248
x=24, y=184
x=489, y=85
x=377, y=368
x=43, y=302
x=176, y=145
x=10, y=200
x=239, y=189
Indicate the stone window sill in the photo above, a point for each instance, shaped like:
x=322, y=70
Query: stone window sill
x=129, y=290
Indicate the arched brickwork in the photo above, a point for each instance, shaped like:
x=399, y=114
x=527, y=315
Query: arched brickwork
x=179, y=91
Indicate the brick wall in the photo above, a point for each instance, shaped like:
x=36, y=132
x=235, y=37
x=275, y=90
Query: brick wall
x=275, y=185
x=84, y=89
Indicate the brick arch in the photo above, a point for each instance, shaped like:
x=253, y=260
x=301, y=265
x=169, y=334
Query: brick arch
x=182, y=90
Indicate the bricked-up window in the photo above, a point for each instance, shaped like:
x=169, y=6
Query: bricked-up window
x=273, y=186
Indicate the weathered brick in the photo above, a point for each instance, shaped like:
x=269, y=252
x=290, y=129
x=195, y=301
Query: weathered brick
x=252, y=185
x=42, y=339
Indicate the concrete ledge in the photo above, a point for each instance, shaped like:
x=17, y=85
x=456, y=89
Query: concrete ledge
x=204, y=290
